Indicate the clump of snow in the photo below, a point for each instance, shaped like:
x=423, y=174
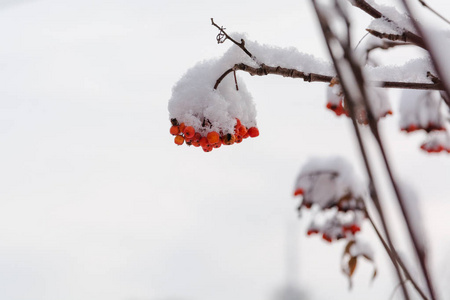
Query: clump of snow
x=362, y=248
x=421, y=110
x=384, y=25
x=195, y=101
x=415, y=70
x=401, y=19
x=325, y=181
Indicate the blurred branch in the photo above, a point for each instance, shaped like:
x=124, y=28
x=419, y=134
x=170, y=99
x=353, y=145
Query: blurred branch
x=393, y=255
x=434, y=11
x=408, y=35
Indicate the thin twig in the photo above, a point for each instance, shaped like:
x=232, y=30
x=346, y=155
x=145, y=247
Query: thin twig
x=240, y=45
x=434, y=11
x=393, y=255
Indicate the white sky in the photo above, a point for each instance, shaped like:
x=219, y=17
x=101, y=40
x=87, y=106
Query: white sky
x=98, y=203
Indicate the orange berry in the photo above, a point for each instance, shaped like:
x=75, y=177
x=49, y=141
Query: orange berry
x=241, y=130
x=204, y=142
x=246, y=135
x=179, y=140
x=174, y=130
x=238, y=122
x=213, y=137
x=228, y=139
x=189, y=132
x=182, y=127
x=218, y=144
x=238, y=139
x=253, y=132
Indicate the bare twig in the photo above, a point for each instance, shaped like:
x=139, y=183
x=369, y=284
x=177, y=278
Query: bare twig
x=240, y=45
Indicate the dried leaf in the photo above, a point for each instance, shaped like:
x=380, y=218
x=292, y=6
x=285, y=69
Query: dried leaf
x=352, y=265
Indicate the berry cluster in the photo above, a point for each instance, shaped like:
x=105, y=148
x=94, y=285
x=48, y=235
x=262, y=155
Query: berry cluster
x=338, y=225
x=210, y=139
x=428, y=128
x=361, y=115
x=436, y=143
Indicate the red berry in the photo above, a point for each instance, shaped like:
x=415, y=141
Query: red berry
x=327, y=238
x=182, y=127
x=189, y=132
x=298, y=192
x=174, y=130
x=204, y=142
x=253, y=132
x=312, y=231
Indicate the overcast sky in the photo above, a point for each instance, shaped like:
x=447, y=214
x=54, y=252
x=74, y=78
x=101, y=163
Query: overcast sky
x=97, y=202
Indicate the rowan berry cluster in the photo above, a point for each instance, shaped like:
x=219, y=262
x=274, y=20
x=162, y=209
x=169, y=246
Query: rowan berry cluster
x=430, y=126
x=437, y=143
x=330, y=189
x=208, y=140
x=341, y=220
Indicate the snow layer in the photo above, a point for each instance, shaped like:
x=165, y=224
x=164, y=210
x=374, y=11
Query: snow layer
x=415, y=70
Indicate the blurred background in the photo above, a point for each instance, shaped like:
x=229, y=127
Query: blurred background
x=97, y=202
